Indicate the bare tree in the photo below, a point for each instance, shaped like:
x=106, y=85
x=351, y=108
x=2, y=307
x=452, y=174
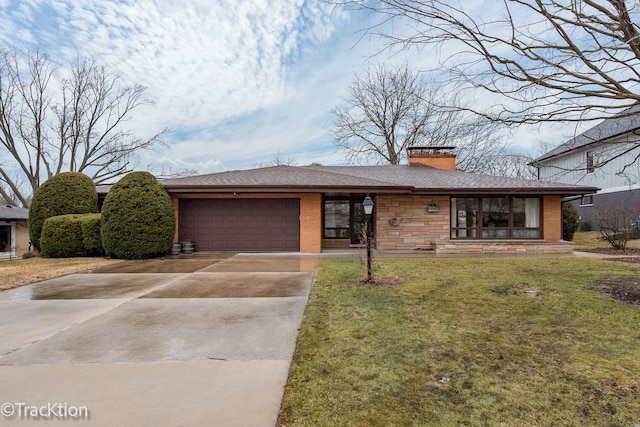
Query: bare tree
x=278, y=159
x=559, y=60
x=389, y=110
x=49, y=125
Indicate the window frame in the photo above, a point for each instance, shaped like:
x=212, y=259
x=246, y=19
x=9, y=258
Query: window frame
x=586, y=200
x=354, y=200
x=480, y=232
x=590, y=163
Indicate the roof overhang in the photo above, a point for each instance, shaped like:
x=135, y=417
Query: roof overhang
x=178, y=189
x=558, y=191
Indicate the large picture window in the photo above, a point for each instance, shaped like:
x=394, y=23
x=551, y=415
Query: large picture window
x=496, y=218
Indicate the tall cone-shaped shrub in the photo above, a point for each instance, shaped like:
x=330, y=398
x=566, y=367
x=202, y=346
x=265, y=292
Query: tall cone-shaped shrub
x=65, y=193
x=137, y=218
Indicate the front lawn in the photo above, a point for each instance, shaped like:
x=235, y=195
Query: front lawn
x=24, y=271
x=467, y=341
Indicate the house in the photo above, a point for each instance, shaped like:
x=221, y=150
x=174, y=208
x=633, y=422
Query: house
x=14, y=231
x=605, y=156
x=425, y=205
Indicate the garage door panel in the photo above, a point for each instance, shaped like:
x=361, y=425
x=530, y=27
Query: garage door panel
x=240, y=224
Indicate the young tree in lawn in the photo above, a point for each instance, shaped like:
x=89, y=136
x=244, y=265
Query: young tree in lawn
x=51, y=124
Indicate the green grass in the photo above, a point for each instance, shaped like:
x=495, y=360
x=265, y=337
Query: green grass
x=378, y=356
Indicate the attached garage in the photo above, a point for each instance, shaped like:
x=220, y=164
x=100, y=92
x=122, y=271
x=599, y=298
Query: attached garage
x=264, y=225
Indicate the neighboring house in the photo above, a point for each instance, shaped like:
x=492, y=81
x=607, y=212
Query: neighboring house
x=605, y=156
x=420, y=206
x=14, y=231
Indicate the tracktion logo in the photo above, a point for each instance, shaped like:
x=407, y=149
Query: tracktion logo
x=49, y=411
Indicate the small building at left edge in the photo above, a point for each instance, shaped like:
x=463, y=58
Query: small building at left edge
x=14, y=230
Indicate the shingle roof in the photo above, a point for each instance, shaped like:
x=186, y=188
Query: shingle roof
x=416, y=179
x=13, y=213
x=425, y=179
x=626, y=121
x=276, y=177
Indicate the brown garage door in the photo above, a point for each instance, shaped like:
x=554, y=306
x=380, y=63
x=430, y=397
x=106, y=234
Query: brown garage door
x=241, y=224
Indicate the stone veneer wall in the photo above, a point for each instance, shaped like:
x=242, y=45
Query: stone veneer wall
x=502, y=247
x=417, y=228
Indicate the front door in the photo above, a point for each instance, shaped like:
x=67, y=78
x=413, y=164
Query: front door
x=344, y=218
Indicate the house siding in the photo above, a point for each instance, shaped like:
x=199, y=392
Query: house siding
x=310, y=213
x=629, y=199
x=570, y=167
x=22, y=237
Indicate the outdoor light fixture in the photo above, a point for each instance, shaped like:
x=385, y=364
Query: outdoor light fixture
x=367, y=206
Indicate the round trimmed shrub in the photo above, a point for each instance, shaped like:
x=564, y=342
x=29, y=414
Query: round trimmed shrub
x=65, y=193
x=71, y=235
x=137, y=218
x=91, y=234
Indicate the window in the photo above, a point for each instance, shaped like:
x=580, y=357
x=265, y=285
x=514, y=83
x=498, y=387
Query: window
x=496, y=218
x=590, y=166
x=336, y=219
x=5, y=238
x=586, y=200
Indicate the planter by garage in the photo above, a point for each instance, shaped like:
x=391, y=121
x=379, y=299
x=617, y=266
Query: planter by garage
x=188, y=247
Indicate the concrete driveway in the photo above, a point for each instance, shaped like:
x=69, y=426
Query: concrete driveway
x=197, y=341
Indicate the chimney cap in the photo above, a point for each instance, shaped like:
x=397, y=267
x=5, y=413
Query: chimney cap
x=432, y=147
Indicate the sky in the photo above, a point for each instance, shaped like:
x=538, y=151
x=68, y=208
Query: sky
x=236, y=81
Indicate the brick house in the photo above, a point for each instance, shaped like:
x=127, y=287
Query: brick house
x=425, y=205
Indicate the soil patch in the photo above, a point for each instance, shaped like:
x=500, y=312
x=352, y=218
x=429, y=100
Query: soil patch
x=623, y=289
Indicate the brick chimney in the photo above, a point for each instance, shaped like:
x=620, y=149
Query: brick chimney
x=432, y=156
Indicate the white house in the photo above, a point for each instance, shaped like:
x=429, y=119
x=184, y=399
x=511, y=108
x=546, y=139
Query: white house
x=607, y=156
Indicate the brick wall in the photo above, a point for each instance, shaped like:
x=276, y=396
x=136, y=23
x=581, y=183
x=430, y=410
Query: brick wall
x=310, y=213
x=438, y=161
x=416, y=228
x=552, y=213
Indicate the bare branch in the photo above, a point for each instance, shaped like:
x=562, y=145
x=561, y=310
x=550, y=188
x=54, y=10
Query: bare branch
x=550, y=60
x=86, y=132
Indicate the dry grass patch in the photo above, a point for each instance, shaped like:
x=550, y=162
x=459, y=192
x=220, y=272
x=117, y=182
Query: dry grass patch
x=24, y=271
x=592, y=241
x=467, y=341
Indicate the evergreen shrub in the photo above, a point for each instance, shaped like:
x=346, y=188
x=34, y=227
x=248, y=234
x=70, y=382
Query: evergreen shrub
x=65, y=193
x=137, y=218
